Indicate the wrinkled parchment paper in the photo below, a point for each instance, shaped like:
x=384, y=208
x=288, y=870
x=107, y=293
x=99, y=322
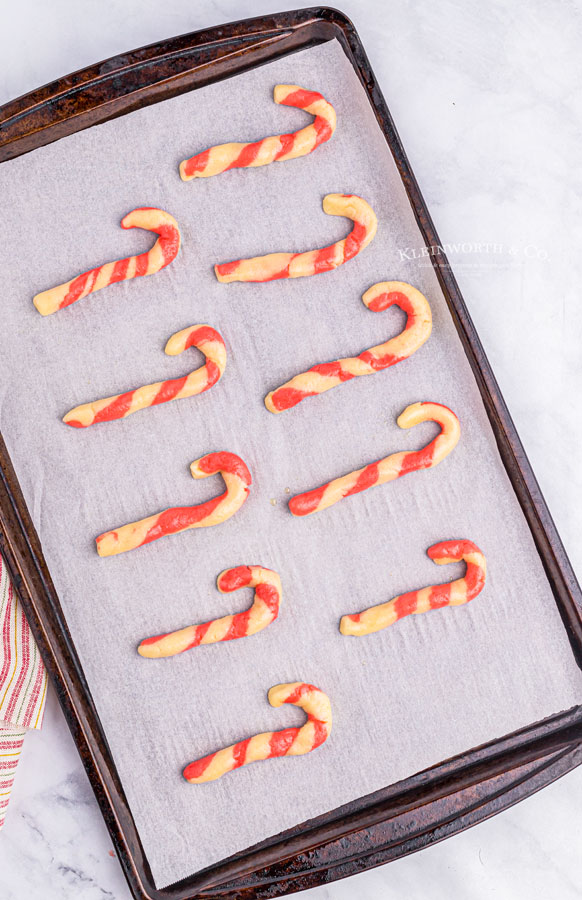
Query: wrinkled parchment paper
x=403, y=699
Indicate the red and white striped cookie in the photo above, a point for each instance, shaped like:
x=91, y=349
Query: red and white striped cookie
x=391, y=467
x=454, y=593
x=237, y=479
x=313, y=262
x=204, y=338
x=324, y=376
x=161, y=254
x=271, y=149
x=264, y=610
x=289, y=742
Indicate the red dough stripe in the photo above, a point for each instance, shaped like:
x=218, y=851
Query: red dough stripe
x=167, y=391
x=354, y=241
x=440, y=595
x=287, y=398
x=201, y=334
x=321, y=733
x=304, y=504
x=224, y=461
x=302, y=98
x=246, y=157
x=228, y=268
x=405, y=604
x=367, y=478
x=300, y=691
x=238, y=627
x=239, y=753
x=332, y=370
x=268, y=595
x=117, y=409
x=119, y=271
x=323, y=130
x=325, y=259
x=197, y=163
x=417, y=459
x=287, y=142
x=281, y=741
x=177, y=519
x=201, y=631
x=234, y=579
x=196, y=769
x=78, y=287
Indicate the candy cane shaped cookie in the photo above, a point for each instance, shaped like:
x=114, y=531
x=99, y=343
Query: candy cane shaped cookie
x=264, y=610
x=161, y=254
x=204, y=338
x=453, y=593
x=312, y=262
x=391, y=467
x=271, y=149
x=324, y=376
x=237, y=479
x=289, y=742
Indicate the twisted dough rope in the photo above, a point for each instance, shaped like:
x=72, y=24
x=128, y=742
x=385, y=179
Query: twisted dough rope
x=204, y=338
x=453, y=593
x=289, y=742
x=391, y=467
x=312, y=262
x=271, y=149
x=237, y=479
x=161, y=254
x=264, y=610
x=324, y=376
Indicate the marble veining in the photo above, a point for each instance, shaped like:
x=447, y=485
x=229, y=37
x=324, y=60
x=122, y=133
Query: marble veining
x=491, y=123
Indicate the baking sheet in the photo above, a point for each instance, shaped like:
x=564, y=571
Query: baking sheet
x=403, y=699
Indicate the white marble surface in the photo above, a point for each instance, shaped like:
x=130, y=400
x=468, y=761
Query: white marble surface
x=487, y=101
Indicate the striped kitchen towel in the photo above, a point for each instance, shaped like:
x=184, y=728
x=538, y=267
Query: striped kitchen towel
x=23, y=685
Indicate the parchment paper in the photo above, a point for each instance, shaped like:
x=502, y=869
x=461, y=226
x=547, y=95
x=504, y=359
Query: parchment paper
x=403, y=699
